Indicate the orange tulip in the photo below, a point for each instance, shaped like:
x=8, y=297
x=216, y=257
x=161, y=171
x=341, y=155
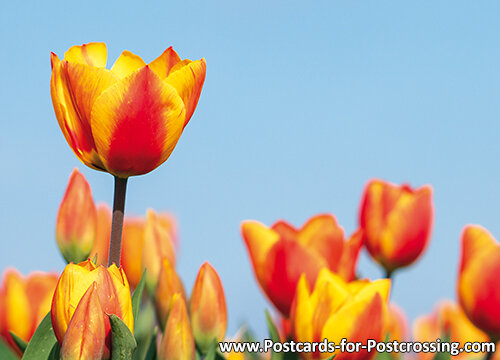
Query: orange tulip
x=478, y=284
x=103, y=232
x=207, y=306
x=337, y=310
x=169, y=284
x=449, y=322
x=396, y=222
x=76, y=220
x=84, y=339
x=112, y=289
x=24, y=302
x=126, y=120
x=178, y=341
x=396, y=326
x=281, y=254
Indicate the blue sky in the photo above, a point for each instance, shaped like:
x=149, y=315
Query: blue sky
x=303, y=103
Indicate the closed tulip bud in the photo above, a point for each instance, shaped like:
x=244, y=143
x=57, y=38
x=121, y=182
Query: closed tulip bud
x=478, y=284
x=396, y=223
x=157, y=245
x=281, y=254
x=207, y=307
x=128, y=119
x=102, y=236
x=24, y=302
x=178, y=341
x=112, y=289
x=169, y=284
x=76, y=220
x=447, y=321
x=396, y=327
x=84, y=338
x=337, y=310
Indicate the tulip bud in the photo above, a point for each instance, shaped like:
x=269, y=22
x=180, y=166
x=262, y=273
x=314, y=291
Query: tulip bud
x=76, y=220
x=102, y=235
x=478, y=284
x=84, y=339
x=178, y=341
x=207, y=307
x=169, y=284
x=157, y=246
x=112, y=290
x=396, y=223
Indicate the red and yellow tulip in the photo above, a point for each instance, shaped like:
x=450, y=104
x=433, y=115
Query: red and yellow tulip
x=178, y=340
x=169, y=284
x=111, y=288
x=448, y=321
x=396, y=326
x=281, y=254
x=126, y=120
x=335, y=310
x=207, y=306
x=76, y=220
x=478, y=283
x=24, y=302
x=396, y=222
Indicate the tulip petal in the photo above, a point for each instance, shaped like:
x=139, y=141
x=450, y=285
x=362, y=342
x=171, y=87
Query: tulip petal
x=92, y=54
x=18, y=318
x=85, y=336
x=475, y=239
x=188, y=81
x=350, y=253
x=164, y=63
x=126, y=64
x=136, y=123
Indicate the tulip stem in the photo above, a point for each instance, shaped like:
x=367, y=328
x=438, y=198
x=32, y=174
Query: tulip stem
x=489, y=355
x=115, y=244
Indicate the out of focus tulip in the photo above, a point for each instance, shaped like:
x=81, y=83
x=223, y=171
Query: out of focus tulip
x=335, y=310
x=24, y=302
x=281, y=254
x=447, y=322
x=178, y=341
x=207, y=307
x=84, y=338
x=396, y=222
x=76, y=220
x=126, y=120
x=396, y=326
x=112, y=289
x=133, y=243
x=478, y=282
x=169, y=284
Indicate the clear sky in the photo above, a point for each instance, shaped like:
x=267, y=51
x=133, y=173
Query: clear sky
x=304, y=101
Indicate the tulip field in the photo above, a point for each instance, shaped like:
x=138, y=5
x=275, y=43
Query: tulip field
x=122, y=294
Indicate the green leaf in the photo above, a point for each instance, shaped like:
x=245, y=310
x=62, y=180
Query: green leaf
x=274, y=335
x=55, y=352
x=42, y=342
x=137, y=297
x=21, y=344
x=123, y=342
x=211, y=351
x=94, y=260
x=151, y=353
x=5, y=352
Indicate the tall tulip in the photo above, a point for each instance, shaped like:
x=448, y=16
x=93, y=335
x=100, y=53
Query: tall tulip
x=478, y=283
x=207, y=306
x=281, y=254
x=335, y=310
x=396, y=222
x=112, y=289
x=24, y=302
x=125, y=120
x=76, y=220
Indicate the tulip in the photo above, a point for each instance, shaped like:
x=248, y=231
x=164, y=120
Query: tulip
x=478, y=284
x=396, y=326
x=103, y=230
x=169, y=284
x=24, y=302
x=112, y=289
x=335, y=310
x=84, y=338
x=396, y=223
x=207, y=307
x=126, y=120
x=447, y=322
x=76, y=220
x=281, y=254
x=178, y=341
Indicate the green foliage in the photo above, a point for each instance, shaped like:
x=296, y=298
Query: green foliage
x=21, y=344
x=274, y=335
x=123, y=342
x=43, y=341
x=137, y=297
x=5, y=352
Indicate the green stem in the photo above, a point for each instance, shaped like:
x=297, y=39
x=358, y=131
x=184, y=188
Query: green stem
x=115, y=245
x=489, y=355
